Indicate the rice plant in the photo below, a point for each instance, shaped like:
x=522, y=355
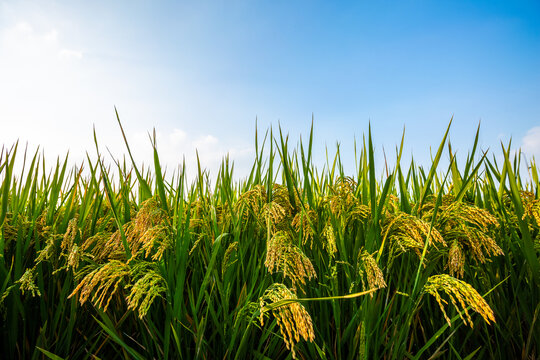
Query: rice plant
x=293, y=261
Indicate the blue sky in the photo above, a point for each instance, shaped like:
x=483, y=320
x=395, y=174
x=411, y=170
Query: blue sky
x=200, y=72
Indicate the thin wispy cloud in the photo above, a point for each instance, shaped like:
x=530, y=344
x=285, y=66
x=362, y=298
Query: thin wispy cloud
x=530, y=144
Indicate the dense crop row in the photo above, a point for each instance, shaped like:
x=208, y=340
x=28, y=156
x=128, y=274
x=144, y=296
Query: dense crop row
x=290, y=262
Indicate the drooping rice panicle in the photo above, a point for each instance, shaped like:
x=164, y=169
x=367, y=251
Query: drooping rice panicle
x=294, y=321
x=461, y=295
x=282, y=255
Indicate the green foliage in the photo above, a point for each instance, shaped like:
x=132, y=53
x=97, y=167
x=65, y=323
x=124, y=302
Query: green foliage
x=289, y=262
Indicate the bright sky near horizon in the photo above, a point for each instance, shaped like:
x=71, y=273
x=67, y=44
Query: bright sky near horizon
x=201, y=72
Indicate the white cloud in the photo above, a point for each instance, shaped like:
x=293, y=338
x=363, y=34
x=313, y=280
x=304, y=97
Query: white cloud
x=180, y=145
x=177, y=137
x=32, y=74
x=23, y=42
x=67, y=54
x=530, y=144
x=205, y=141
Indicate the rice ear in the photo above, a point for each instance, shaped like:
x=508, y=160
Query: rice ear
x=462, y=295
x=285, y=257
x=293, y=320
